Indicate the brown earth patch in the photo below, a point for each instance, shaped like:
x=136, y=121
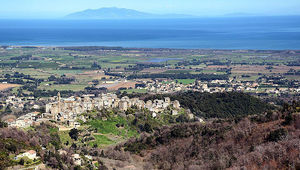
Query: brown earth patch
x=116, y=86
x=4, y=86
x=122, y=84
x=261, y=69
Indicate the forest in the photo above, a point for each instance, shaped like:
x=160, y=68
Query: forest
x=218, y=105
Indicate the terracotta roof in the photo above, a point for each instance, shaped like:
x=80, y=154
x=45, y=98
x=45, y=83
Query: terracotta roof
x=10, y=120
x=31, y=152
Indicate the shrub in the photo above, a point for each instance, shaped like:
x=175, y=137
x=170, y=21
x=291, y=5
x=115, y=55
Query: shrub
x=74, y=134
x=277, y=135
x=21, y=162
x=288, y=119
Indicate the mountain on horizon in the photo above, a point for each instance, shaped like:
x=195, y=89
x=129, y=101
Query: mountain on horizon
x=119, y=13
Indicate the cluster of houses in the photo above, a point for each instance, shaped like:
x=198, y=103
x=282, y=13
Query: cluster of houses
x=67, y=110
x=70, y=108
x=215, y=86
x=80, y=159
x=31, y=154
x=77, y=159
x=163, y=87
x=202, y=86
x=25, y=121
x=20, y=102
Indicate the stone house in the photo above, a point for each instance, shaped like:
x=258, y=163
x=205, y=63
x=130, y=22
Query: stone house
x=31, y=154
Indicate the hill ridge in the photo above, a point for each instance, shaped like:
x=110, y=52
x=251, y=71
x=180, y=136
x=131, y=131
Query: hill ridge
x=119, y=13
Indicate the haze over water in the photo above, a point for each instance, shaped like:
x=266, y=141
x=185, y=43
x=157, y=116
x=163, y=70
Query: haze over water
x=213, y=33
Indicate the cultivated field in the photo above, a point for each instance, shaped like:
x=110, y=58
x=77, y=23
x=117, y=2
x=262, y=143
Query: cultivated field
x=118, y=85
x=4, y=86
x=95, y=66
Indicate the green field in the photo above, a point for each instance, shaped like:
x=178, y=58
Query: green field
x=64, y=137
x=79, y=63
x=62, y=87
x=101, y=140
x=167, y=82
x=177, y=71
x=130, y=91
x=185, y=81
x=110, y=127
x=113, y=130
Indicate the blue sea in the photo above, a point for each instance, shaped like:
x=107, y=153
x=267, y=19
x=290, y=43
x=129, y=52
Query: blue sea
x=203, y=33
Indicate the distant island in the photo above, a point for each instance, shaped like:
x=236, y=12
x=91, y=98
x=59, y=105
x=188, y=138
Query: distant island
x=120, y=13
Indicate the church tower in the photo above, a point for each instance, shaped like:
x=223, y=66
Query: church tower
x=58, y=96
x=58, y=105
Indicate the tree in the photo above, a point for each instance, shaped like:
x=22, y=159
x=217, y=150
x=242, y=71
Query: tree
x=7, y=76
x=74, y=133
x=52, y=78
x=147, y=127
x=34, y=141
x=3, y=124
x=53, y=162
x=277, y=135
x=95, y=65
x=21, y=162
x=288, y=119
x=77, y=168
x=8, y=109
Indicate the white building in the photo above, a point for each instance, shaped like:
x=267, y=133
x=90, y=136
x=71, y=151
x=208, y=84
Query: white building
x=76, y=158
x=31, y=154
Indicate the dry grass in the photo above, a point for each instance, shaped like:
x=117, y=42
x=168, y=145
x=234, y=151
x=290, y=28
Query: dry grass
x=93, y=75
x=116, y=86
x=122, y=84
x=248, y=69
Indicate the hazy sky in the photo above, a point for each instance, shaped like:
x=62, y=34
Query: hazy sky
x=58, y=8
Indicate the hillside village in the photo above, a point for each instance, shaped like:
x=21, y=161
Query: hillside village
x=68, y=110
x=65, y=113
